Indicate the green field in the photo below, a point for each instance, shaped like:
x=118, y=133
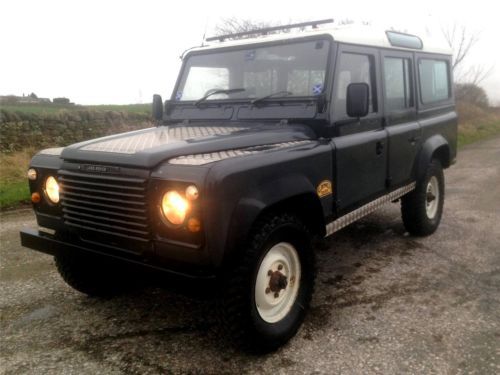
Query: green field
x=55, y=108
x=130, y=108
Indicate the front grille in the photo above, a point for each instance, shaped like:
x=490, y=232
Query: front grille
x=105, y=208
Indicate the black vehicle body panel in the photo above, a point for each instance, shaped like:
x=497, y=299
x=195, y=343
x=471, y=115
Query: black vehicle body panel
x=363, y=159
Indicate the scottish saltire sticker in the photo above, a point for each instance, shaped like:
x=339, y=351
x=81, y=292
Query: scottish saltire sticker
x=317, y=89
x=178, y=96
x=250, y=55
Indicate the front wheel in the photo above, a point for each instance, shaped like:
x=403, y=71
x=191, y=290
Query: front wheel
x=91, y=275
x=423, y=207
x=268, y=293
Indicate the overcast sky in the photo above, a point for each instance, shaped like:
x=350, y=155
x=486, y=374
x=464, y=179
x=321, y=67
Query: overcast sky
x=97, y=52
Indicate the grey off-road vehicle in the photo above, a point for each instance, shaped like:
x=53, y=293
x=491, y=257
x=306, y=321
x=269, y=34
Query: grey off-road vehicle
x=265, y=143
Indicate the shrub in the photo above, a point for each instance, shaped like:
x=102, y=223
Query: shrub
x=472, y=94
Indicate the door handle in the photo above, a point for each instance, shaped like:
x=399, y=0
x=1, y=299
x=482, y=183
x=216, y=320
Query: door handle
x=379, y=147
x=414, y=139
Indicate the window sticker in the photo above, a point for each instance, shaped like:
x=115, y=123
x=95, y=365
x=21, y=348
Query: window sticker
x=317, y=89
x=178, y=96
x=250, y=55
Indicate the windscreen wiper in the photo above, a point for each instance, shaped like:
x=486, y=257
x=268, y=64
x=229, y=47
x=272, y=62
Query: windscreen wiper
x=221, y=91
x=274, y=94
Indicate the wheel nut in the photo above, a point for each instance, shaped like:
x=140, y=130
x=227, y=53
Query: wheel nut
x=276, y=294
x=280, y=267
x=268, y=290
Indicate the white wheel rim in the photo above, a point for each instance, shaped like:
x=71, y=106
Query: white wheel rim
x=282, y=260
x=432, y=197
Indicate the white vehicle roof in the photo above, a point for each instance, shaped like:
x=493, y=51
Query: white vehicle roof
x=359, y=35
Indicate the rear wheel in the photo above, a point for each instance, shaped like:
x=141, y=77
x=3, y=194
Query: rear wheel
x=423, y=207
x=268, y=293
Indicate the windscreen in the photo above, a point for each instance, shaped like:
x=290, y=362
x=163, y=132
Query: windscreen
x=295, y=69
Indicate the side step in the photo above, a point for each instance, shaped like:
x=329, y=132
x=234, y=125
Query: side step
x=367, y=209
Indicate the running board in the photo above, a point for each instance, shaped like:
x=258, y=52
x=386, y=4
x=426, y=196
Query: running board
x=367, y=209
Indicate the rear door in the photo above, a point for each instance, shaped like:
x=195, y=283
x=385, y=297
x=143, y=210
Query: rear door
x=360, y=145
x=398, y=82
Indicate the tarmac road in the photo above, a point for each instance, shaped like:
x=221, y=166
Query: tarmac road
x=385, y=302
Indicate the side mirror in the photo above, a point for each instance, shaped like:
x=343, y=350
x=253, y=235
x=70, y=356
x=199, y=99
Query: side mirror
x=358, y=99
x=157, y=107
x=167, y=106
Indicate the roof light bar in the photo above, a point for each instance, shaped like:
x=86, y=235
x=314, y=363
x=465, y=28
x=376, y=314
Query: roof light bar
x=267, y=30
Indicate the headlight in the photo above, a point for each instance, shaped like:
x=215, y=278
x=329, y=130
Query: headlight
x=174, y=207
x=52, y=189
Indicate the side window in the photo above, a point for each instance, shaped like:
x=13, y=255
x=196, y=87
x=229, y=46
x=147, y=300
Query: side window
x=354, y=68
x=434, y=80
x=398, y=83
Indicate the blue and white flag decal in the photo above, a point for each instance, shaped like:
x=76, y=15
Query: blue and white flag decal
x=250, y=55
x=317, y=89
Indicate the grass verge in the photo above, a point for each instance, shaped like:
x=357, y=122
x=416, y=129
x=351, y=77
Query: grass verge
x=13, y=182
x=470, y=133
x=13, y=194
x=476, y=123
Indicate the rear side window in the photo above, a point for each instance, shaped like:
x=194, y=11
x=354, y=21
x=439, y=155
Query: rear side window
x=434, y=80
x=354, y=68
x=398, y=83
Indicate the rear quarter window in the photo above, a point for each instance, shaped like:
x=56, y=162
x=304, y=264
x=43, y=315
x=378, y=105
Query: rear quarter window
x=434, y=80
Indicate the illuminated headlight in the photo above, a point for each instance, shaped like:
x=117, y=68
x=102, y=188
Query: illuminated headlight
x=52, y=189
x=174, y=207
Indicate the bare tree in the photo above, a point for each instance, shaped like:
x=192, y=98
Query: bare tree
x=233, y=25
x=461, y=41
x=476, y=74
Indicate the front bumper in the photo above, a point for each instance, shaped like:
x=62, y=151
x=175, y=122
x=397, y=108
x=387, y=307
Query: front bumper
x=53, y=245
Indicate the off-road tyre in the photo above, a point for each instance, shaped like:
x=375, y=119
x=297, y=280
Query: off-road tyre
x=414, y=205
x=237, y=311
x=91, y=275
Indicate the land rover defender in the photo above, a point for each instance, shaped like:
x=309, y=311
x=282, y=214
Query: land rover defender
x=268, y=140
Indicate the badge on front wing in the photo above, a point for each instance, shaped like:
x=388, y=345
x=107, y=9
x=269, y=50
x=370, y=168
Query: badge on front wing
x=324, y=188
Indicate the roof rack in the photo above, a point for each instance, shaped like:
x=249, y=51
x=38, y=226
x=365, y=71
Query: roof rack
x=267, y=30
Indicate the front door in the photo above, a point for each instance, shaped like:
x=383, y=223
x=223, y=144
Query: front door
x=360, y=145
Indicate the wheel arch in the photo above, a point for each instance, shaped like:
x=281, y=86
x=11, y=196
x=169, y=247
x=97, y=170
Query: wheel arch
x=435, y=147
x=301, y=200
